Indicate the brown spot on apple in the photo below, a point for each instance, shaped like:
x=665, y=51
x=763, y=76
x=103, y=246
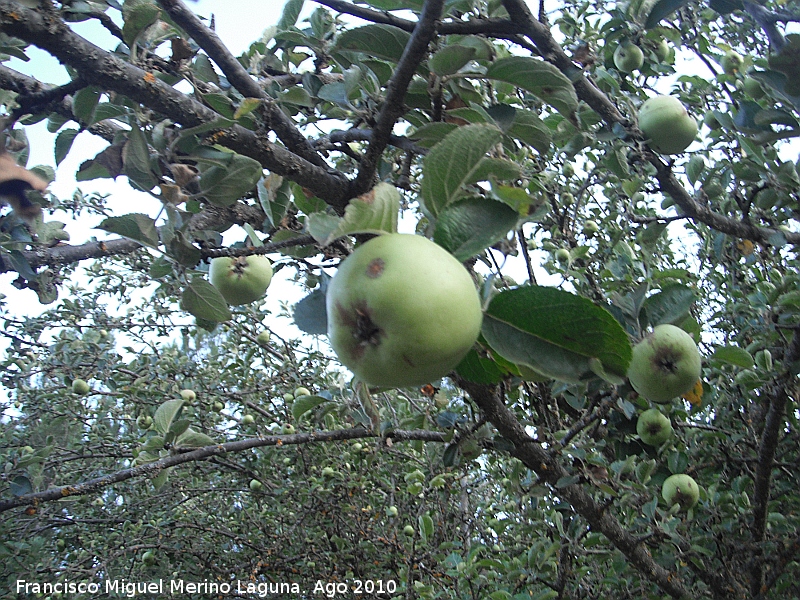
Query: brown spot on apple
x=375, y=268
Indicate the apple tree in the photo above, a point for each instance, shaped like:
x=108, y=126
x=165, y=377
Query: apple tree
x=600, y=171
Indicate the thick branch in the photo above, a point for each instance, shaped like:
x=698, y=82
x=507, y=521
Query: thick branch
x=393, y=106
x=766, y=454
x=97, y=66
x=155, y=467
x=209, y=41
x=536, y=458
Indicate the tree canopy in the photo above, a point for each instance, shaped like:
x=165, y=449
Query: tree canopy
x=155, y=429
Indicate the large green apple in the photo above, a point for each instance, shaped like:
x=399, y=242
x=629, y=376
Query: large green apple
x=402, y=311
x=241, y=280
x=680, y=489
x=628, y=58
x=654, y=427
x=665, y=364
x=667, y=125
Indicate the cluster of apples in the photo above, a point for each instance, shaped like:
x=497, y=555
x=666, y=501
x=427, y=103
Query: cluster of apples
x=665, y=365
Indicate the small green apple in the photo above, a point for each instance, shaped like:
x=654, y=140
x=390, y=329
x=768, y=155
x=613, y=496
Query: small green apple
x=144, y=421
x=665, y=364
x=256, y=485
x=628, y=57
x=188, y=396
x=241, y=280
x=149, y=558
x=288, y=429
x=408, y=530
x=654, y=427
x=263, y=338
x=567, y=198
x=80, y=387
x=680, y=489
x=731, y=62
x=590, y=228
x=301, y=391
x=248, y=420
x=667, y=125
x=661, y=50
x=328, y=472
x=562, y=255
x=27, y=449
x=402, y=311
x=60, y=544
x=391, y=511
x=752, y=87
x=218, y=406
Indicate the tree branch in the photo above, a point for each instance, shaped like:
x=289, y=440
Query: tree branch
x=97, y=66
x=536, y=458
x=393, y=106
x=154, y=468
x=209, y=41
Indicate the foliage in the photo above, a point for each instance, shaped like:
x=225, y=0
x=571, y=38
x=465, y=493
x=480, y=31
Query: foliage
x=501, y=135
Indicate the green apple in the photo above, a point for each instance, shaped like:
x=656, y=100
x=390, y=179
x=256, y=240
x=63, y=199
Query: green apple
x=80, y=387
x=263, y=338
x=144, y=421
x=567, y=198
x=248, y=420
x=654, y=427
x=680, y=489
x=731, y=62
x=562, y=255
x=590, y=228
x=287, y=429
x=149, y=558
x=301, y=391
x=667, y=125
x=408, y=530
x=188, y=396
x=328, y=472
x=402, y=311
x=665, y=364
x=256, y=485
x=218, y=406
x=661, y=50
x=241, y=280
x=391, y=511
x=752, y=87
x=288, y=398
x=628, y=57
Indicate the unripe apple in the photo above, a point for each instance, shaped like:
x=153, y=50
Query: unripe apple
x=667, y=125
x=287, y=429
x=408, y=530
x=328, y=472
x=391, y=511
x=567, y=198
x=263, y=338
x=218, y=406
x=241, y=280
x=662, y=50
x=149, y=558
x=654, y=427
x=752, y=87
x=731, y=62
x=590, y=228
x=301, y=391
x=144, y=421
x=256, y=485
x=562, y=255
x=628, y=58
x=664, y=365
x=680, y=489
x=80, y=387
x=248, y=420
x=188, y=396
x=402, y=311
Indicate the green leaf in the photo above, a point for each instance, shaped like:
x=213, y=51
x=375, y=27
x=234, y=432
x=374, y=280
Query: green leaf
x=20, y=485
x=203, y=300
x=165, y=415
x=310, y=314
x=378, y=41
x=529, y=128
x=84, y=103
x=431, y=134
x=478, y=369
x=454, y=162
x=670, y=305
x=138, y=227
x=734, y=355
x=291, y=11
x=538, y=77
x=495, y=169
x=557, y=334
x=136, y=160
x=425, y=527
x=225, y=180
x=303, y=404
x=450, y=59
x=373, y=212
x=193, y=439
x=63, y=144
x=661, y=10
x=138, y=17
x=472, y=224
